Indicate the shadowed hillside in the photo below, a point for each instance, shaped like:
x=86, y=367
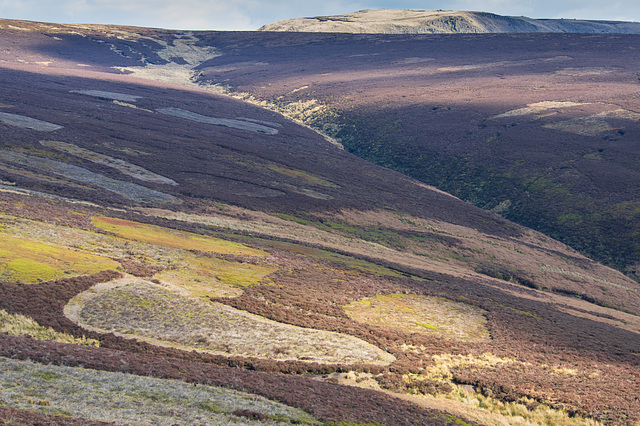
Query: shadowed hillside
x=541, y=129
x=152, y=226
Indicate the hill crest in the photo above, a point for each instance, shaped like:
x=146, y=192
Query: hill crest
x=389, y=21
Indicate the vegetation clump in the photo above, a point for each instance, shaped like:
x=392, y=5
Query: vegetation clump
x=147, y=311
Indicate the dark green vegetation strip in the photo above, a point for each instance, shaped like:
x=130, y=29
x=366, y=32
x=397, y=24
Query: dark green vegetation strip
x=537, y=199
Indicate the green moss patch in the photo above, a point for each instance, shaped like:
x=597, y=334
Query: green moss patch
x=152, y=234
x=303, y=176
x=28, y=261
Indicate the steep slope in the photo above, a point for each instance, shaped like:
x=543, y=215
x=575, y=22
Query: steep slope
x=143, y=219
x=387, y=21
x=542, y=129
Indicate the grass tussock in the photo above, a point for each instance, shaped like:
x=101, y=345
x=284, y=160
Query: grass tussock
x=20, y=325
x=412, y=313
x=131, y=399
x=523, y=411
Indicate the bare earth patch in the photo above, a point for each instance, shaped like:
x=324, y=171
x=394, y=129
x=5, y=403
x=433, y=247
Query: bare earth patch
x=108, y=95
x=125, y=167
x=136, y=308
x=226, y=122
x=127, y=189
x=537, y=108
x=27, y=122
x=414, y=313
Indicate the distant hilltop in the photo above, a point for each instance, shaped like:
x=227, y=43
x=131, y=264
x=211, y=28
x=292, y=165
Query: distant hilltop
x=386, y=21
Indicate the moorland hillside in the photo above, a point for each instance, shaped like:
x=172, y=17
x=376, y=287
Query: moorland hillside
x=540, y=128
x=170, y=254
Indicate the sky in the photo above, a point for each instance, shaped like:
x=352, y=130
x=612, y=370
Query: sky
x=251, y=14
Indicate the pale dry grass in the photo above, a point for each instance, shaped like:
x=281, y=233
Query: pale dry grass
x=538, y=108
x=502, y=64
x=587, y=125
x=130, y=399
x=495, y=411
x=585, y=71
x=135, y=308
x=488, y=411
x=20, y=325
x=465, y=402
x=594, y=125
x=584, y=126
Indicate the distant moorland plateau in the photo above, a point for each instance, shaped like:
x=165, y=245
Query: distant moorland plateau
x=205, y=227
x=386, y=21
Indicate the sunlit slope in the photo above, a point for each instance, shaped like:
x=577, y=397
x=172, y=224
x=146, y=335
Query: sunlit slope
x=231, y=246
x=387, y=21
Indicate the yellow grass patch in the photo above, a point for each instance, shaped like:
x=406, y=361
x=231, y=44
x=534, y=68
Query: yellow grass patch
x=198, y=283
x=171, y=238
x=28, y=261
x=211, y=277
x=412, y=313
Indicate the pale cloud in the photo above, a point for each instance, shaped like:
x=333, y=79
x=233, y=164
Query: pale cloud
x=251, y=14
